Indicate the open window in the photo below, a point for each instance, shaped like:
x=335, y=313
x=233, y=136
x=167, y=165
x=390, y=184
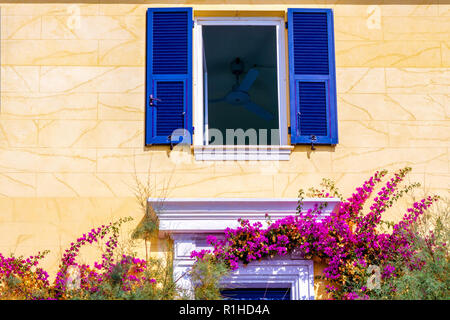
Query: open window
x=240, y=82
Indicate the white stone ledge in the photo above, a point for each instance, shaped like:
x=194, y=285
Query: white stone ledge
x=213, y=215
x=242, y=153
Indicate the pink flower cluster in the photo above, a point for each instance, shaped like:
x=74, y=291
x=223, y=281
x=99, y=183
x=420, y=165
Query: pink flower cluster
x=24, y=269
x=70, y=254
x=14, y=266
x=91, y=278
x=133, y=277
x=348, y=241
x=131, y=270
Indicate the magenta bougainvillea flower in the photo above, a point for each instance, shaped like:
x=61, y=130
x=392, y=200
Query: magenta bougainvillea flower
x=348, y=240
x=32, y=281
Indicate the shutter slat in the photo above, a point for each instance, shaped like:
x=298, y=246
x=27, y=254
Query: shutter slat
x=310, y=43
x=313, y=108
x=170, y=34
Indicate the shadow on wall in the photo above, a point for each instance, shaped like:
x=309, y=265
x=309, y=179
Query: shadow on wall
x=318, y=148
x=188, y=153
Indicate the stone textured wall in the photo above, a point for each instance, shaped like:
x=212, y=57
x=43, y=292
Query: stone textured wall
x=72, y=114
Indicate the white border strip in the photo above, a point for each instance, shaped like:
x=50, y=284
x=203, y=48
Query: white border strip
x=208, y=215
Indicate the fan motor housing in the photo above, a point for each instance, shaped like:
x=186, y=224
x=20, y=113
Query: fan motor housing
x=237, y=97
x=237, y=66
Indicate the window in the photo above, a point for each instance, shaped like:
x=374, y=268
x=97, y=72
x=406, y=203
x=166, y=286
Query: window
x=240, y=85
x=225, y=78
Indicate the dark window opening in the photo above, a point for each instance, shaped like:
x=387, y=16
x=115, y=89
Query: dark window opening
x=240, y=84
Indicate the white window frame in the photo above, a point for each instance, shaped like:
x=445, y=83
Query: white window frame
x=202, y=150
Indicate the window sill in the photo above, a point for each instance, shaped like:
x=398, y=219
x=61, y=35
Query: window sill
x=242, y=153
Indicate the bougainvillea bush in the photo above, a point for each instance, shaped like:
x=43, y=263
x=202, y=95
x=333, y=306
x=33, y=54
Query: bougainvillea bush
x=362, y=259
x=349, y=241
x=116, y=276
x=21, y=278
x=429, y=238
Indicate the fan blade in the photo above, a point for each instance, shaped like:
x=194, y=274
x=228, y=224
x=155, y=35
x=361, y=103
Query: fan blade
x=258, y=110
x=216, y=100
x=251, y=76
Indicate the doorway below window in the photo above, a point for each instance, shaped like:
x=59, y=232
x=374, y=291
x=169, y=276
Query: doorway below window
x=189, y=221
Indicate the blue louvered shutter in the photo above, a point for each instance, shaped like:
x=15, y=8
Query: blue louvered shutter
x=169, y=75
x=312, y=79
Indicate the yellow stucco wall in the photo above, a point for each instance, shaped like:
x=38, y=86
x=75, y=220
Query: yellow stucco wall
x=72, y=113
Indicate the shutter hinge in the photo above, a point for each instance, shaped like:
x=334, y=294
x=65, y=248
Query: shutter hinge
x=193, y=130
x=313, y=139
x=170, y=142
x=286, y=24
x=289, y=130
x=193, y=23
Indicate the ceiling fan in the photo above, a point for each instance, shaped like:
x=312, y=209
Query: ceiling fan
x=239, y=93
